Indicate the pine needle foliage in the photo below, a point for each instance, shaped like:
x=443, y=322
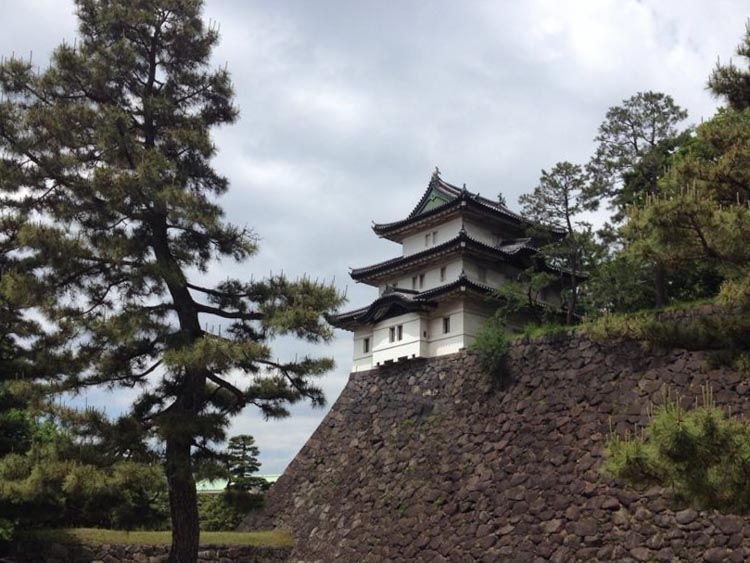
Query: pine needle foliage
x=106, y=164
x=556, y=202
x=732, y=82
x=701, y=454
x=491, y=346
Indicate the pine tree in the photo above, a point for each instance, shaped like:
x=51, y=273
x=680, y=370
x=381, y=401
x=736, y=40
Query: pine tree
x=242, y=463
x=107, y=158
x=556, y=202
x=645, y=122
x=733, y=83
x=633, y=142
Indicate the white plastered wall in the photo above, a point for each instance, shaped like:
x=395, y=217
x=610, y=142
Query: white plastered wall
x=481, y=233
x=431, y=276
x=362, y=359
x=411, y=345
x=445, y=231
x=423, y=335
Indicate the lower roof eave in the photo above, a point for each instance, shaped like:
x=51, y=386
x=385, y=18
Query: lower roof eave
x=364, y=317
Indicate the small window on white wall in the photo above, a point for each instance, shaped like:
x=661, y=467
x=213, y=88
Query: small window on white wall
x=434, y=237
x=442, y=274
x=421, y=281
x=446, y=325
x=366, y=346
x=414, y=282
x=427, y=240
x=400, y=332
x=392, y=334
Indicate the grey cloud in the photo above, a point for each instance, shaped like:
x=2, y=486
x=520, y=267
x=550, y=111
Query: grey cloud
x=348, y=106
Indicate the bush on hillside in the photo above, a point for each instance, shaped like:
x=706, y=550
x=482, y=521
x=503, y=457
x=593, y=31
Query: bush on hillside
x=491, y=346
x=701, y=454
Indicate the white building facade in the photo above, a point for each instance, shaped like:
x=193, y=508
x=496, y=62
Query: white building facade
x=457, y=247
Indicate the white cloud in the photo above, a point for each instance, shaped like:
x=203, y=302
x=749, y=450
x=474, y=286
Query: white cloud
x=346, y=107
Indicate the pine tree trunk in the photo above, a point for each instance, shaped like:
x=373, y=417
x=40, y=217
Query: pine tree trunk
x=183, y=501
x=572, y=304
x=660, y=285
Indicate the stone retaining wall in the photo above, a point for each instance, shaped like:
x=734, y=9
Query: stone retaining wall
x=118, y=553
x=433, y=461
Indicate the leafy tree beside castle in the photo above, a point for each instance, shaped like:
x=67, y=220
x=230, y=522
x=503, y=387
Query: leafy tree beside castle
x=630, y=139
x=700, y=454
x=107, y=156
x=635, y=142
x=732, y=83
x=556, y=202
x=242, y=464
x=701, y=214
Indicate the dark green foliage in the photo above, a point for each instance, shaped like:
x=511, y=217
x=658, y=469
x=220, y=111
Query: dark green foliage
x=521, y=301
x=623, y=283
x=619, y=284
x=491, y=346
x=733, y=83
x=242, y=462
x=642, y=178
x=556, y=202
x=726, y=336
x=701, y=454
x=643, y=123
x=225, y=511
x=111, y=147
x=701, y=219
x=51, y=485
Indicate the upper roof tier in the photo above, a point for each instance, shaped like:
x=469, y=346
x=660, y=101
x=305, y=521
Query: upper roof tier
x=514, y=251
x=442, y=200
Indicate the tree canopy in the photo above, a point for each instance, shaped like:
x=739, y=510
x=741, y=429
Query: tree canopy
x=106, y=167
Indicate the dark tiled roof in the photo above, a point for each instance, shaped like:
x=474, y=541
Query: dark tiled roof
x=398, y=302
x=456, y=196
x=508, y=251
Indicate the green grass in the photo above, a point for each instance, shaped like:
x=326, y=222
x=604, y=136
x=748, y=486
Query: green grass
x=536, y=331
x=272, y=538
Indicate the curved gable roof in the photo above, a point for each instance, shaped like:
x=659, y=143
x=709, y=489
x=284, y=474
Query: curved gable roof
x=441, y=197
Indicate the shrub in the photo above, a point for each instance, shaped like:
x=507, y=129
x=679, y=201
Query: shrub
x=226, y=511
x=491, y=346
x=702, y=454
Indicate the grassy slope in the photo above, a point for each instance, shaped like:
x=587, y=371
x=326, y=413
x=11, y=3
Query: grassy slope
x=273, y=538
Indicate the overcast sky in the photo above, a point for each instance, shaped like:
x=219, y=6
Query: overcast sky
x=348, y=106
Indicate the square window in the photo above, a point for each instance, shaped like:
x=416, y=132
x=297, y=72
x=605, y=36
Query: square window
x=442, y=274
x=446, y=325
x=421, y=281
x=392, y=334
x=400, y=332
x=366, y=346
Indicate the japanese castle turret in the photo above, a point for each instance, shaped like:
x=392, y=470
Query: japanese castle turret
x=457, y=247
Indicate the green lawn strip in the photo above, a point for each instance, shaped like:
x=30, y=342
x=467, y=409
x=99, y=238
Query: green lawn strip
x=271, y=538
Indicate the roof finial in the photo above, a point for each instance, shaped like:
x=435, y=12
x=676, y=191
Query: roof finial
x=436, y=173
x=464, y=188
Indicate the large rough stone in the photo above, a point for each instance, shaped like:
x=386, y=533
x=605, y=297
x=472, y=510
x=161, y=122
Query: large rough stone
x=482, y=468
x=686, y=516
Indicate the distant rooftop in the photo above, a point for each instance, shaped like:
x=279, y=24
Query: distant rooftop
x=218, y=485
